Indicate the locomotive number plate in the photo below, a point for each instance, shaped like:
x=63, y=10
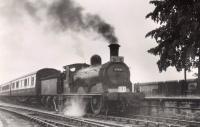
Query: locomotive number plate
x=122, y=89
x=117, y=69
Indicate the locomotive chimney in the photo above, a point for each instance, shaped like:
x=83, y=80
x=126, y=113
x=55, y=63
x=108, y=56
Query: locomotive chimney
x=114, y=49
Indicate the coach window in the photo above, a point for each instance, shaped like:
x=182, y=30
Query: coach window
x=17, y=84
x=32, y=81
x=6, y=87
x=25, y=82
x=21, y=82
x=13, y=85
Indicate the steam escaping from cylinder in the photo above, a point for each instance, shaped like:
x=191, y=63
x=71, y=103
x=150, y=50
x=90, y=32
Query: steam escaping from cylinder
x=75, y=107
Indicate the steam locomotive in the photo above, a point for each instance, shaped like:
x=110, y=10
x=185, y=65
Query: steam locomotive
x=104, y=87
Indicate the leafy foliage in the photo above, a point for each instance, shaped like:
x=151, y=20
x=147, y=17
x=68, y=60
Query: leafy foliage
x=178, y=36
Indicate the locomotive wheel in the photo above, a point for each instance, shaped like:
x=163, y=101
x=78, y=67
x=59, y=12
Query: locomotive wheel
x=55, y=104
x=81, y=90
x=96, y=104
x=122, y=108
x=43, y=100
x=47, y=102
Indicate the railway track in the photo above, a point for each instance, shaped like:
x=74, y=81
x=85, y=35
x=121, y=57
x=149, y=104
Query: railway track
x=148, y=121
x=52, y=119
x=172, y=119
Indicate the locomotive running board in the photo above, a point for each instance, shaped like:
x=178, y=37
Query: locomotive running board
x=76, y=94
x=80, y=95
x=187, y=98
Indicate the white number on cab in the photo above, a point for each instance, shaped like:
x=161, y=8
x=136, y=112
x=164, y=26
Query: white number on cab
x=122, y=89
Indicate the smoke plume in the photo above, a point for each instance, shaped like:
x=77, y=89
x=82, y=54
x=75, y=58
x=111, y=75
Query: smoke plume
x=75, y=107
x=61, y=15
x=68, y=15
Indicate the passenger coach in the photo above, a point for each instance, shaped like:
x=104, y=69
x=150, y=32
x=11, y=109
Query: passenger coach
x=32, y=84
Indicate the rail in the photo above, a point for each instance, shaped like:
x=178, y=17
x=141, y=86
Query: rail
x=136, y=122
x=174, y=119
x=49, y=119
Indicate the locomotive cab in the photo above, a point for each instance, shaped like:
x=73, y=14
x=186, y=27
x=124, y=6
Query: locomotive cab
x=68, y=74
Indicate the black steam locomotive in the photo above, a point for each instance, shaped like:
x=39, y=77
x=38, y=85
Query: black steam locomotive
x=103, y=86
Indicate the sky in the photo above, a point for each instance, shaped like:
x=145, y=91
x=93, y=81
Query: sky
x=31, y=40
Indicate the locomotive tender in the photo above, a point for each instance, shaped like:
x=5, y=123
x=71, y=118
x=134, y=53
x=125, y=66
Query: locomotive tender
x=103, y=86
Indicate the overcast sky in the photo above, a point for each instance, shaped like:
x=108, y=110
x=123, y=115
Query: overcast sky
x=28, y=43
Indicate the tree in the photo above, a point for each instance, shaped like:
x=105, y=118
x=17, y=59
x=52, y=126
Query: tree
x=178, y=36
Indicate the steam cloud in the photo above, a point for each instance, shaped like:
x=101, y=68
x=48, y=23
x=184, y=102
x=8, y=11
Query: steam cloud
x=61, y=15
x=75, y=107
